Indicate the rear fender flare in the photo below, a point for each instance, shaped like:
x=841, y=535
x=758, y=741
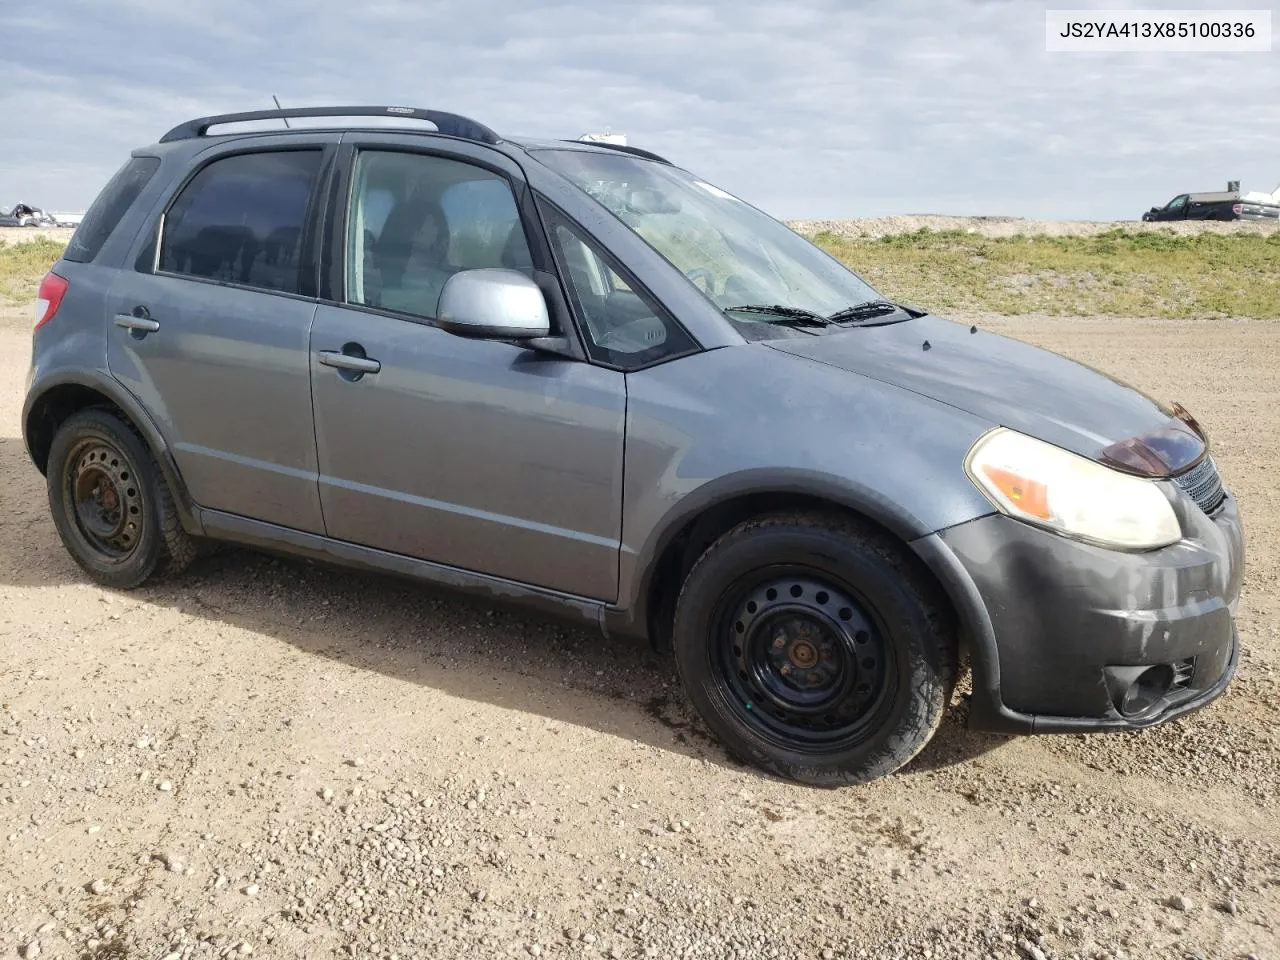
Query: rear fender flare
x=113, y=392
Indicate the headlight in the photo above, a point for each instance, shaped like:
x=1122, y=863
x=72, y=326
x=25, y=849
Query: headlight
x=1052, y=488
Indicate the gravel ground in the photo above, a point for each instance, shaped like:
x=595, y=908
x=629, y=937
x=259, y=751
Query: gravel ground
x=271, y=758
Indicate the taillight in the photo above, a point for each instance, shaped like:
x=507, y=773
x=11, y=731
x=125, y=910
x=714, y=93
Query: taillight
x=1237, y=208
x=52, y=289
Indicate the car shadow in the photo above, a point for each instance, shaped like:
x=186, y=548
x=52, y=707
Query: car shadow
x=413, y=632
x=955, y=744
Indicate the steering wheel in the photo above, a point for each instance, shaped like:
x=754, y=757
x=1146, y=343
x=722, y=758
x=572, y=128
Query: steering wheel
x=702, y=273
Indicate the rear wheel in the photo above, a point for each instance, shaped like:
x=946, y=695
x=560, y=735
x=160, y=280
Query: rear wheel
x=110, y=504
x=814, y=648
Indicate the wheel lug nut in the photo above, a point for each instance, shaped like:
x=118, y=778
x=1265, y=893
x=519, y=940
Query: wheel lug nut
x=786, y=668
x=814, y=678
x=779, y=642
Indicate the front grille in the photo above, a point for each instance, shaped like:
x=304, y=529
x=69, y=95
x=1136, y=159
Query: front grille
x=1203, y=485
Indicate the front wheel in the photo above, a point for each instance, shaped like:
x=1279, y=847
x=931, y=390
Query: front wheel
x=815, y=648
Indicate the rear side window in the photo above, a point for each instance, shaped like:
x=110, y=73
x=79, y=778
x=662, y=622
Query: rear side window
x=112, y=204
x=240, y=220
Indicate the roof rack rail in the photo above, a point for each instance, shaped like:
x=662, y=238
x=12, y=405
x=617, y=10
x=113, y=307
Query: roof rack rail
x=449, y=124
x=625, y=148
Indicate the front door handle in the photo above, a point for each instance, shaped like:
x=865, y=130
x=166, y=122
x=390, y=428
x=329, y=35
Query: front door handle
x=141, y=324
x=347, y=361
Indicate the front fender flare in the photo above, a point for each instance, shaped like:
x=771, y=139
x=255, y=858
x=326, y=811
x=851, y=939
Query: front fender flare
x=639, y=565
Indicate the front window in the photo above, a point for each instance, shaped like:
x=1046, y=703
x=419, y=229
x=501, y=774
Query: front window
x=731, y=251
x=417, y=219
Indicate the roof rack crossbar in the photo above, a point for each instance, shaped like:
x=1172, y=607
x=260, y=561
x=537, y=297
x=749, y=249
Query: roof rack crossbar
x=449, y=124
x=626, y=148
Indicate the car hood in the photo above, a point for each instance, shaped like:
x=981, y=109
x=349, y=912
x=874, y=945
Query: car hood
x=1011, y=384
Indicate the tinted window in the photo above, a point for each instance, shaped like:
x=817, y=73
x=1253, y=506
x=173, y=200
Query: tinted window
x=112, y=203
x=416, y=220
x=622, y=326
x=240, y=220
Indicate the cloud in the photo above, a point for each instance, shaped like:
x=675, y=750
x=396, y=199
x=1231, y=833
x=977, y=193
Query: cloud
x=830, y=109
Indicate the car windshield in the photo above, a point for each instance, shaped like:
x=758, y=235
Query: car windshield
x=737, y=255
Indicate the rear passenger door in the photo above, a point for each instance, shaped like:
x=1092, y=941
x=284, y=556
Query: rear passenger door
x=210, y=329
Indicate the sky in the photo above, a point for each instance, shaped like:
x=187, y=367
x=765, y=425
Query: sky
x=807, y=108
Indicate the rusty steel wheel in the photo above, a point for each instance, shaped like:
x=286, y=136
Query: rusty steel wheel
x=103, y=486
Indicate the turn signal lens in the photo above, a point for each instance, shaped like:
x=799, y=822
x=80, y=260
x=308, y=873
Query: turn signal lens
x=1061, y=491
x=1030, y=496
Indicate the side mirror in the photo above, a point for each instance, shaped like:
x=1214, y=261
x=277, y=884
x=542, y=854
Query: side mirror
x=494, y=304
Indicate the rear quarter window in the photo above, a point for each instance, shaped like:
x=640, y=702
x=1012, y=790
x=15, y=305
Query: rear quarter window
x=111, y=205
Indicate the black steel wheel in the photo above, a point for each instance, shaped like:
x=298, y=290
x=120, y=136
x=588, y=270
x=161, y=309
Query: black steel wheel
x=815, y=647
x=110, y=503
x=102, y=485
x=801, y=658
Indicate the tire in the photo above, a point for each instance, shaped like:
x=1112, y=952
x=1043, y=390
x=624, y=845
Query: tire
x=816, y=648
x=110, y=503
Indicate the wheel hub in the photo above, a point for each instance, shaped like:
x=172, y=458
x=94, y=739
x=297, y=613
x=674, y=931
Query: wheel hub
x=803, y=654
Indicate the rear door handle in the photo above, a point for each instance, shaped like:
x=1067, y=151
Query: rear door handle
x=347, y=361
x=142, y=324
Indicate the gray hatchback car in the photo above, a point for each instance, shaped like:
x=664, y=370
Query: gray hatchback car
x=579, y=377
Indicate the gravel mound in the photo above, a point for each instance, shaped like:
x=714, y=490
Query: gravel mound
x=875, y=227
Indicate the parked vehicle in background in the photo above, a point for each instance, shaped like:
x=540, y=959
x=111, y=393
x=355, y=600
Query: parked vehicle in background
x=1230, y=204
x=576, y=376
x=25, y=215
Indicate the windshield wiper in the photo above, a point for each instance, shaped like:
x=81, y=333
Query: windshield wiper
x=868, y=311
x=795, y=316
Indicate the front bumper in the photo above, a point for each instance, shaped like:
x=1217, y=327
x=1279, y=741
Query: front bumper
x=1052, y=622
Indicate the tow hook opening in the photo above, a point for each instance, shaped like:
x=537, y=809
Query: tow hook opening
x=1137, y=691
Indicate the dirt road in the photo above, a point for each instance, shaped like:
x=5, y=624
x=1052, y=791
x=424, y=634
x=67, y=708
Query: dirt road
x=275, y=759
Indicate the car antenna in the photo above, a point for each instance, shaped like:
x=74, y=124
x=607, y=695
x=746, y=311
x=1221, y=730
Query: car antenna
x=278, y=107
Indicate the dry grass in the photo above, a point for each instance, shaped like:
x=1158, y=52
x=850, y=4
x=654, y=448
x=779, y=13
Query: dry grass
x=22, y=265
x=1117, y=273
